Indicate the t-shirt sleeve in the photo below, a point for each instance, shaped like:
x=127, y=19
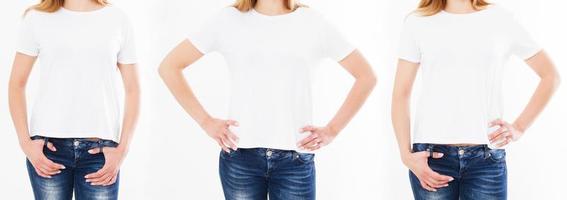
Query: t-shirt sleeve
x=334, y=45
x=127, y=53
x=522, y=44
x=205, y=39
x=27, y=42
x=408, y=49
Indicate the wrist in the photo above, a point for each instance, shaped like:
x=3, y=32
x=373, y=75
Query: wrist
x=334, y=131
x=205, y=120
x=519, y=127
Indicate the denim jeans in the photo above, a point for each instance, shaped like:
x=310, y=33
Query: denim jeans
x=478, y=171
x=72, y=153
x=255, y=174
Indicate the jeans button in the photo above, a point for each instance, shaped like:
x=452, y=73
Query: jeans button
x=461, y=152
x=269, y=153
x=76, y=143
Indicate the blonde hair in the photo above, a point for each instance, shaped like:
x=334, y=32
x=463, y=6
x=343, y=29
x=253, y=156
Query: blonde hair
x=54, y=5
x=247, y=5
x=431, y=7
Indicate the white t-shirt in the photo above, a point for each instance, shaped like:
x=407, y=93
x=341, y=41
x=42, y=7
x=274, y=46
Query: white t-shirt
x=271, y=61
x=78, y=54
x=461, y=57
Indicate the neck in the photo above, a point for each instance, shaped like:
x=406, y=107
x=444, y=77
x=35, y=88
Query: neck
x=271, y=7
x=81, y=5
x=459, y=6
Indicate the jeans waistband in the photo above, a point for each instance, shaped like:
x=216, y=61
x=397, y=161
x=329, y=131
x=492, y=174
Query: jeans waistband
x=451, y=150
x=77, y=142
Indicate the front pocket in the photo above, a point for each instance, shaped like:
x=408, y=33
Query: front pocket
x=304, y=157
x=497, y=155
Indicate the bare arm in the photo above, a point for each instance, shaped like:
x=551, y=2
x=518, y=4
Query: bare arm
x=416, y=162
x=548, y=84
x=21, y=70
x=405, y=77
x=170, y=71
x=359, y=68
x=114, y=157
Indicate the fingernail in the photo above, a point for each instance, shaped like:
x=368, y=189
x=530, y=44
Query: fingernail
x=62, y=166
x=451, y=179
x=87, y=180
x=441, y=154
x=58, y=172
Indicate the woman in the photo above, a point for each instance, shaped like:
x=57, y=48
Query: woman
x=271, y=48
x=77, y=144
x=462, y=46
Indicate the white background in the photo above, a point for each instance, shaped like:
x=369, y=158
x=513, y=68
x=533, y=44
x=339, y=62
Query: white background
x=171, y=158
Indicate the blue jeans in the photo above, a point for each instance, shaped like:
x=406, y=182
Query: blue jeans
x=479, y=172
x=72, y=153
x=255, y=174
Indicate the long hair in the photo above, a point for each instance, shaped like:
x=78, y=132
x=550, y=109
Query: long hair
x=247, y=5
x=54, y=5
x=431, y=7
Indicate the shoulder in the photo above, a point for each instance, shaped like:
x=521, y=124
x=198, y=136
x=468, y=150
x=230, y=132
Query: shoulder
x=116, y=12
x=498, y=12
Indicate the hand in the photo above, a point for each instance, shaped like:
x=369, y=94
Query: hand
x=505, y=134
x=319, y=137
x=429, y=179
x=219, y=130
x=42, y=165
x=108, y=174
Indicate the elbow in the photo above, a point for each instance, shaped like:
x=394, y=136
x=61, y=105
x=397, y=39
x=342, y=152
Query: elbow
x=369, y=80
x=162, y=71
x=554, y=80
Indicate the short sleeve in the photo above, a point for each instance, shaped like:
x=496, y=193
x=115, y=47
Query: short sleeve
x=127, y=53
x=27, y=42
x=206, y=38
x=408, y=49
x=335, y=45
x=522, y=43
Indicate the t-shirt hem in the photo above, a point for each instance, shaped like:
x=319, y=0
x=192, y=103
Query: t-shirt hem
x=450, y=141
x=52, y=134
x=276, y=147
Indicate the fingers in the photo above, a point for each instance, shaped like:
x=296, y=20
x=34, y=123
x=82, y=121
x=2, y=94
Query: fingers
x=231, y=123
x=437, y=155
x=40, y=173
x=307, y=129
x=227, y=142
x=232, y=138
x=224, y=148
x=308, y=139
x=504, y=142
x=497, y=122
x=113, y=180
x=427, y=187
x=51, y=147
x=438, y=178
x=501, y=137
x=95, y=151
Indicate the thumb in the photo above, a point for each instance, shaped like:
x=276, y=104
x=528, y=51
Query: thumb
x=307, y=129
x=51, y=147
x=497, y=122
x=94, y=151
x=231, y=123
x=437, y=155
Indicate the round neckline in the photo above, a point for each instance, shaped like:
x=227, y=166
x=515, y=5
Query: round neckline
x=467, y=14
x=84, y=12
x=255, y=12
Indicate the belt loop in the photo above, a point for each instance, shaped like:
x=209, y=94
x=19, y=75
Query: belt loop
x=100, y=145
x=430, y=149
x=45, y=141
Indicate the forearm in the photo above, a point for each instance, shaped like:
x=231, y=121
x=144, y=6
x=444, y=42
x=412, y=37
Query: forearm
x=401, y=124
x=542, y=95
x=131, y=113
x=18, y=111
x=182, y=92
x=354, y=101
